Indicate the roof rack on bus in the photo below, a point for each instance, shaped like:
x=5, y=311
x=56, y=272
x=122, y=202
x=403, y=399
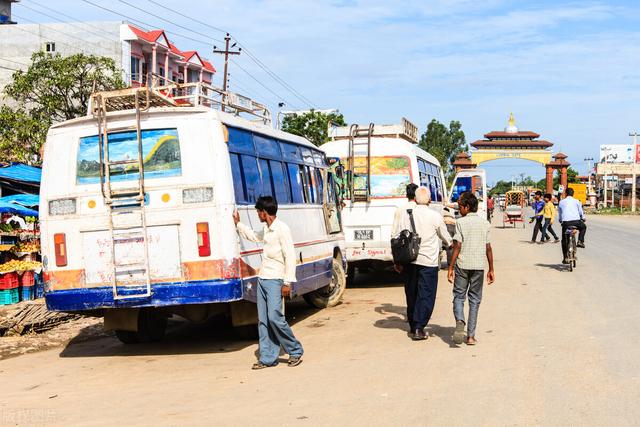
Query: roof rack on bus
x=405, y=130
x=173, y=94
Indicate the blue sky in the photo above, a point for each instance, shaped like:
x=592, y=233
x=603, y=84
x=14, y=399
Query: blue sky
x=566, y=69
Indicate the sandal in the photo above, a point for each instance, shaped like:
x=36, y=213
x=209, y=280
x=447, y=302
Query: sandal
x=294, y=361
x=259, y=365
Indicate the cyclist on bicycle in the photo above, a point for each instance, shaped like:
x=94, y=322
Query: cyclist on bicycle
x=570, y=214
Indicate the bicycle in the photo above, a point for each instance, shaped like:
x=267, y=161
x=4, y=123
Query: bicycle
x=572, y=249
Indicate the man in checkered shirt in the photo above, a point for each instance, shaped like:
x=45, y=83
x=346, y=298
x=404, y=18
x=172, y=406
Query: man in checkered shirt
x=470, y=247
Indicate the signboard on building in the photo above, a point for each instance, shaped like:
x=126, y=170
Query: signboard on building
x=618, y=169
x=617, y=153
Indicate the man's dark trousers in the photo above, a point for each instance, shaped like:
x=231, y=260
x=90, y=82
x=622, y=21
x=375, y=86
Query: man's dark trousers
x=582, y=229
x=421, y=285
x=536, y=228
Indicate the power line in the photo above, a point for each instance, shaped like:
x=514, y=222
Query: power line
x=250, y=54
x=8, y=68
x=261, y=84
x=64, y=22
x=15, y=62
x=168, y=21
x=144, y=23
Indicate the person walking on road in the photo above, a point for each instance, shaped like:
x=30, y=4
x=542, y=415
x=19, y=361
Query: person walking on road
x=537, y=205
x=548, y=213
x=570, y=214
x=401, y=210
x=470, y=247
x=276, y=274
x=421, y=276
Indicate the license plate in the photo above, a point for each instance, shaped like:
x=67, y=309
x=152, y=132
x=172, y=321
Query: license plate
x=363, y=234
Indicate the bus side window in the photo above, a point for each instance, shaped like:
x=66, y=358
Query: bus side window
x=251, y=178
x=238, y=182
x=422, y=171
x=297, y=185
x=320, y=186
x=265, y=178
x=280, y=182
x=310, y=185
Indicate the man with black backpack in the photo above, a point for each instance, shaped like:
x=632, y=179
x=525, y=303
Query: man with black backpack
x=417, y=254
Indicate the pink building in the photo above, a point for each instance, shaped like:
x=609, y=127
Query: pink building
x=153, y=53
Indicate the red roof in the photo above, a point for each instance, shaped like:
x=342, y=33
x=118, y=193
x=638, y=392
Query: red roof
x=484, y=143
x=153, y=36
x=503, y=134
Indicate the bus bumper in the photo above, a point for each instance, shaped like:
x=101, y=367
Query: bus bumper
x=379, y=253
x=162, y=295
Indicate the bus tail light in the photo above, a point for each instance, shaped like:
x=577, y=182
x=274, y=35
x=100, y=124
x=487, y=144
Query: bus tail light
x=204, y=245
x=60, y=244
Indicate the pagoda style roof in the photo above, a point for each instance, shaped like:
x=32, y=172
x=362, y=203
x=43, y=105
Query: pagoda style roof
x=518, y=134
x=464, y=160
x=512, y=143
x=559, y=159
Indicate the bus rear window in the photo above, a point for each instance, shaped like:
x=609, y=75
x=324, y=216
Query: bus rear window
x=389, y=175
x=160, y=153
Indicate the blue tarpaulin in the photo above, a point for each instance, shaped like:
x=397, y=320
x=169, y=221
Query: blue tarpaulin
x=28, y=200
x=20, y=172
x=16, y=209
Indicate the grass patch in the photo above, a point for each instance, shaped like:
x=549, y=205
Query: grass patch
x=614, y=211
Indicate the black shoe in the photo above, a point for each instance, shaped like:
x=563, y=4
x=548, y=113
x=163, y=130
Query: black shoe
x=565, y=261
x=556, y=240
x=419, y=335
x=260, y=365
x=580, y=244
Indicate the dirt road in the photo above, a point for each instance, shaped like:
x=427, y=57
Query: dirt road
x=555, y=348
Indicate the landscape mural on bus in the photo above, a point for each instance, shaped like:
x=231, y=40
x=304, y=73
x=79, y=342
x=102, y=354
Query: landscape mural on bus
x=160, y=148
x=389, y=175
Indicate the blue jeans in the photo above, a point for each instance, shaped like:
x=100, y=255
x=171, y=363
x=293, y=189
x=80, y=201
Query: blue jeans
x=273, y=329
x=467, y=282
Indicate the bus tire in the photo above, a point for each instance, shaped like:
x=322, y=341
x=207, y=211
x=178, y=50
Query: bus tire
x=330, y=295
x=151, y=328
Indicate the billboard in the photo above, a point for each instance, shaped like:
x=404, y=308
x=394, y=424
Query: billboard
x=617, y=153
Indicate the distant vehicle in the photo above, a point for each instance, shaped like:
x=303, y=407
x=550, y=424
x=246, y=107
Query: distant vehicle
x=471, y=180
x=380, y=160
x=137, y=224
x=515, y=202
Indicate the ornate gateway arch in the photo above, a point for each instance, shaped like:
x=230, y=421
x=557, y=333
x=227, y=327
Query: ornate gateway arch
x=515, y=144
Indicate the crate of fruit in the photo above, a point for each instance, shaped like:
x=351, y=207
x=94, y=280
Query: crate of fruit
x=9, y=296
x=9, y=281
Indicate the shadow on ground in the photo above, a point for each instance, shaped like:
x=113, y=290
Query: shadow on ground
x=376, y=278
x=397, y=319
x=557, y=267
x=183, y=337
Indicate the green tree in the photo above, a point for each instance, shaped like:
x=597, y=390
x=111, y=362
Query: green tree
x=52, y=89
x=444, y=143
x=572, y=175
x=501, y=187
x=312, y=125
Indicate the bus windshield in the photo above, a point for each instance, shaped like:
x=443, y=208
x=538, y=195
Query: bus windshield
x=389, y=175
x=160, y=149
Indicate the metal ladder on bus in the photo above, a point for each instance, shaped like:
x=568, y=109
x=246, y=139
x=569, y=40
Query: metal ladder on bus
x=126, y=207
x=360, y=137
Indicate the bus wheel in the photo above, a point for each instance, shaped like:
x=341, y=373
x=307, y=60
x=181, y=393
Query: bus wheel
x=151, y=328
x=330, y=295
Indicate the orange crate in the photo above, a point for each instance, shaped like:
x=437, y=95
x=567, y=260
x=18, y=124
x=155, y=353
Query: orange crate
x=27, y=279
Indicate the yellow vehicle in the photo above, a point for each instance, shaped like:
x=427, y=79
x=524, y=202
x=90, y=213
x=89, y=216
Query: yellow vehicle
x=579, y=192
x=514, y=203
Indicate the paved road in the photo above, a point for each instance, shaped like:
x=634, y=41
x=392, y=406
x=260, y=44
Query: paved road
x=555, y=348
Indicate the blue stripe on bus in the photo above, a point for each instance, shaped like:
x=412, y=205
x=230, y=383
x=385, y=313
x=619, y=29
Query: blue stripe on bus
x=313, y=275
x=162, y=294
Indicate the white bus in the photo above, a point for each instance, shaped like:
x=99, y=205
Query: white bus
x=137, y=248
x=380, y=161
x=470, y=180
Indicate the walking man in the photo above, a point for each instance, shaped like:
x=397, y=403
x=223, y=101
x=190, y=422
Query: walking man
x=276, y=274
x=466, y=272
x=537, y=205
x=421, y=276
x=548, y=213
x=570, y=214
x=401, y=210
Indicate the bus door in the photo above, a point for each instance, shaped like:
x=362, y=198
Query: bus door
x=333, y=201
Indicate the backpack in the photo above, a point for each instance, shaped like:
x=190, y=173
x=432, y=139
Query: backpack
x=406, y=245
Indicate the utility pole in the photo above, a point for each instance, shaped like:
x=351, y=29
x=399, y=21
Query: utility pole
x=633, y=174
x=226, y=52
x=606, y=182
x=589, y=190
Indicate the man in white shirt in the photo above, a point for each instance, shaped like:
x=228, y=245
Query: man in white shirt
x=421, y=276
x=402, y=210
x=276, y=274
x=570, y=214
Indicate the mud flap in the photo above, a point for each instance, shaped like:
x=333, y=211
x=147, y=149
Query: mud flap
x=243, y=313
x=123, y=319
